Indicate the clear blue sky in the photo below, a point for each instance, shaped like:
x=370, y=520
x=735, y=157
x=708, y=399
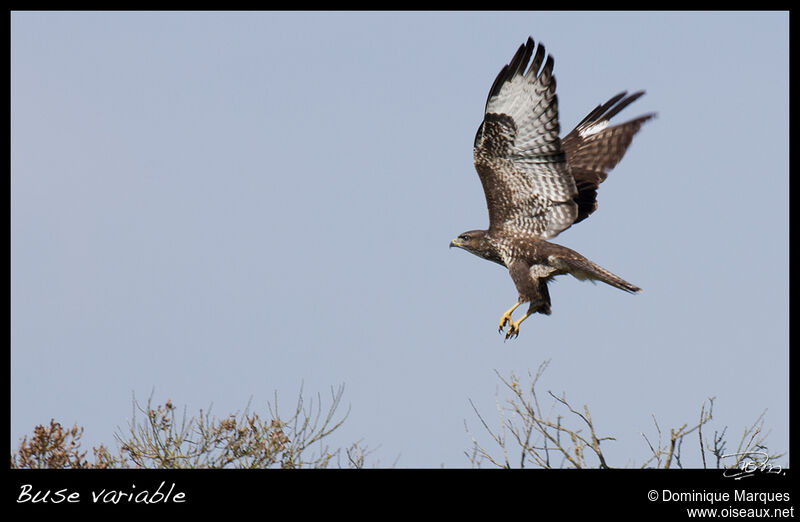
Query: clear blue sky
x=216, y=206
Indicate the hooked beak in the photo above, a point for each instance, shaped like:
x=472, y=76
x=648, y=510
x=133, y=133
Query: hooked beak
x=455, y=243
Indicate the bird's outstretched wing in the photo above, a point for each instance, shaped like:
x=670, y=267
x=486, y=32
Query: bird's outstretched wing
x=518, y=154
x=593, y=148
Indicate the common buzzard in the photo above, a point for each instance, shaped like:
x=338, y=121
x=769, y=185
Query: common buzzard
x=537, y=185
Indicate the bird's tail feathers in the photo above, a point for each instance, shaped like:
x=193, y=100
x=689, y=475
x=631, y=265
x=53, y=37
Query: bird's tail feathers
x=582, y=268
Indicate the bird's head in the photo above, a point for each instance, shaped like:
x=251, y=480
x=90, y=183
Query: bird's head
x=470, y=241
x=476, y=242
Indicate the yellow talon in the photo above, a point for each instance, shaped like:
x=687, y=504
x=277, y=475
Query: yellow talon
x=513, y=329
x=506, y=318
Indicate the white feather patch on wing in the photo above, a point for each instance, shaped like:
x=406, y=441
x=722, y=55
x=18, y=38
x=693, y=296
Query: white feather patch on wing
x=593, y=129
x=541, y=271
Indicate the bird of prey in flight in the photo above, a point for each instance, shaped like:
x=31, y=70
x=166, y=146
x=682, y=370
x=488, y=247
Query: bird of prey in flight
x=537, y=184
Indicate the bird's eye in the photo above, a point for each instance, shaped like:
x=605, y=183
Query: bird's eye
x=463, y=237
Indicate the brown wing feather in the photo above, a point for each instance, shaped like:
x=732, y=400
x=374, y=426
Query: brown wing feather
x=593, y=148
x=518, y=153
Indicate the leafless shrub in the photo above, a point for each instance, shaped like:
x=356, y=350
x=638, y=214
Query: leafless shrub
x=564, y=436
x=158, y=437
x=750, y=449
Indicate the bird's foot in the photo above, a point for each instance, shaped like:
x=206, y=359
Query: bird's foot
x=513, y=330
x=505, y=320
